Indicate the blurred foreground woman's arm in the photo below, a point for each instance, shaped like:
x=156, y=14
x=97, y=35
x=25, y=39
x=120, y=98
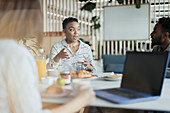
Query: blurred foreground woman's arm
x=85, y=96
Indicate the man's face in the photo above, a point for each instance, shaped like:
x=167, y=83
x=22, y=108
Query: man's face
x=72, y=31
x=156, y=35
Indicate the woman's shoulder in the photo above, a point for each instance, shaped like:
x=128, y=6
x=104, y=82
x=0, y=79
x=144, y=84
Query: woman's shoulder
x=84, y=45
x=11, y=48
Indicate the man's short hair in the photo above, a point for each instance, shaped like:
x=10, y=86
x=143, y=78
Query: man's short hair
x=165, y=22
x=68, y=20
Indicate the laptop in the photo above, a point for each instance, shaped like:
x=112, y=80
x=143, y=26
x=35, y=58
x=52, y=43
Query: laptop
x=143, y=77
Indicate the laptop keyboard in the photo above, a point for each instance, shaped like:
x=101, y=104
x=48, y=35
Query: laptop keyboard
x=123, y=93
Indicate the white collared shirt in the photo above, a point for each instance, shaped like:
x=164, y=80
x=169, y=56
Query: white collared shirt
x=83, y=50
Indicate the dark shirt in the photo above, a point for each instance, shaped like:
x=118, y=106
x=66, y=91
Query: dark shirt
x=158, y=48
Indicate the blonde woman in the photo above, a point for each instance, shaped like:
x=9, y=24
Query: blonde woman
x=18, y=72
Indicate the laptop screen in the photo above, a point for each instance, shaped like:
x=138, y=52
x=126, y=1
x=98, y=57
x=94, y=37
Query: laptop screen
x=144, y=71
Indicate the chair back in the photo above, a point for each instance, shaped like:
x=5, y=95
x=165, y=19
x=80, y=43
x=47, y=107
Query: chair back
x=113, y=63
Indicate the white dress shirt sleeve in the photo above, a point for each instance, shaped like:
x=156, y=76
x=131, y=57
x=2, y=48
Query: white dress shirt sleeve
x=90, y=59
x=54, y=51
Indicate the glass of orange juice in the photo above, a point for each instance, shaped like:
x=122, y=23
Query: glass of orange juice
x=41, y=66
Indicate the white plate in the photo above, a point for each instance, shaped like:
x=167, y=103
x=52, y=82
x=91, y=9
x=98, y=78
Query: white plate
x=65, y=93
x=112, y=79
x=93, y=78
x=103, y=74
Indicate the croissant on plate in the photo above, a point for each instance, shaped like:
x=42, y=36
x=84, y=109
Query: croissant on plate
x=80, y=74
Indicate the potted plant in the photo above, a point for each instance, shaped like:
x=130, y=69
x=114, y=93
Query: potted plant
x=89, y=6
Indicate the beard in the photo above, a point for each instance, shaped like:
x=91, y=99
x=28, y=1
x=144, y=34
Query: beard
x=156, y=41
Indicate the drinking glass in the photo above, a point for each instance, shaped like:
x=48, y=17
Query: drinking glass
x=79, y=66
x=41, y=66
x=72, y=61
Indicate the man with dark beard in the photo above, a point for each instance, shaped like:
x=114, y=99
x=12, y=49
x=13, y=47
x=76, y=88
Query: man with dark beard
x=161, y=35
x=161, y=41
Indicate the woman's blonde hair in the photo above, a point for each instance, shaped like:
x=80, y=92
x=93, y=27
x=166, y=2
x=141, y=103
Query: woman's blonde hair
x=21, y=19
